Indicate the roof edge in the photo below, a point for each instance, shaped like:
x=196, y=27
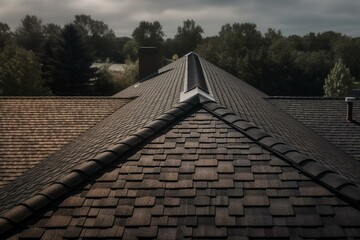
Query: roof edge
x=331, y=180
x=17, y=214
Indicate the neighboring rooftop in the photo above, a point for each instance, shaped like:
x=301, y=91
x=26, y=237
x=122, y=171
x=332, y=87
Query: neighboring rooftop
x=33, y=128
x=327, y=117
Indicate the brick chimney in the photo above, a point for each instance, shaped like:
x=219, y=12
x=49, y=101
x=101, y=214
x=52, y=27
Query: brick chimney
x=350, y=102
x=148, y=62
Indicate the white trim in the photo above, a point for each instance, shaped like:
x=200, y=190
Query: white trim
x=186, y=94
x=203, y=96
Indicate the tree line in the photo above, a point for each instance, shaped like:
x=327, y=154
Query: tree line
x=38, y=59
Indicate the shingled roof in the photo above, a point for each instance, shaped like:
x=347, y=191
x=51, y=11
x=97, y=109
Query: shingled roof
x=158, y=167
x=33, y=128
x=327, y=117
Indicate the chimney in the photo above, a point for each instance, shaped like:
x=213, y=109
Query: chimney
x=148, y=62
x=349, y=101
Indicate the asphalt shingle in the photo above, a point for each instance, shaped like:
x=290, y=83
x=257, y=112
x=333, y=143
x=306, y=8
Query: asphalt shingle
x=161, y=206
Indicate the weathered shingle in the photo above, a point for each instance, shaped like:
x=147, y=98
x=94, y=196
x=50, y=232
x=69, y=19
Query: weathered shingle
x=169, y=202
x=327, y=117
x=33, y=128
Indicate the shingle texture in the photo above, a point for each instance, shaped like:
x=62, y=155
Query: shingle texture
x=170, y=188
x=31, y=129
x=154, y=97
x=327, y=117
x=250, y=104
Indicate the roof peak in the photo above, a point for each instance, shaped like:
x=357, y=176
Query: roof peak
x=195, y=80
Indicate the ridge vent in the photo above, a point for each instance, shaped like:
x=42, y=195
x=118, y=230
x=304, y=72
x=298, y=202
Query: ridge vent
x=195, y=81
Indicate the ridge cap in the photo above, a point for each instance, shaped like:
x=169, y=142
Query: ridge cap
x=323, y=175
x=82, y=172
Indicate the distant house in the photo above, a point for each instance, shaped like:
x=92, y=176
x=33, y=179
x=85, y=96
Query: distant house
x=190, y=152
x=115, y=67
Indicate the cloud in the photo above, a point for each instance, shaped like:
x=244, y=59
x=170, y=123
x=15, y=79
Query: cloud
x=290, y=16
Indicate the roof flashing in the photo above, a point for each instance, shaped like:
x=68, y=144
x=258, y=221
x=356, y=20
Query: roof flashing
x=195, y=80
x=203, y=96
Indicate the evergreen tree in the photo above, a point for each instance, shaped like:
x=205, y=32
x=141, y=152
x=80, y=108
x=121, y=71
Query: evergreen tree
x=339, y=81
x=68, y=63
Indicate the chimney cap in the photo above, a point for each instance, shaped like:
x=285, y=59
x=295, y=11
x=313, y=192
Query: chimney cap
x=350, y=99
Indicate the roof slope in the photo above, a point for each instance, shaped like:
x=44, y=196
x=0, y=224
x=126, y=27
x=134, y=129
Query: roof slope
x=154, y=97
x=326, y=116
x=33, y=128
x=199, y=178
x=250, y=104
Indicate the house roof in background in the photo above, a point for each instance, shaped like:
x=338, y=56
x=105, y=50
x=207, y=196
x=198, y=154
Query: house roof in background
x=159, y=167
x=327, y=117
x=33, y=128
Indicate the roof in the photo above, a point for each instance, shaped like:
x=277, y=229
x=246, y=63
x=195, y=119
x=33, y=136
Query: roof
x=158, y=167
x=327, y=117
x=33, y=128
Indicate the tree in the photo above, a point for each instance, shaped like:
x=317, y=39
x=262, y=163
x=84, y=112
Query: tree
x=130, y=50
x=29, y=34
x=339, y=81
x=20, y=73
x=188, y=37
x=5, y=34
x=69, y=63
x=272, y=35
x=103, y=84
x=119, y=55
x=148, y=34
x=208, y=49
x=51, y=29
x=348, y=49
x=99, y=36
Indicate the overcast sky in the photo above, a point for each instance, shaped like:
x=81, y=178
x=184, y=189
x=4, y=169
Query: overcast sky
x=290, y=16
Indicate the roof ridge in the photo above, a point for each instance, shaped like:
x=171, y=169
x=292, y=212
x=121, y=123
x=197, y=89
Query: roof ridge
x=333, y=181
x=82, y=172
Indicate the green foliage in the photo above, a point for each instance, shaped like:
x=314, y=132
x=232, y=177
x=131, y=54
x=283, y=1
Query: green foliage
x=188, y=37
x=119, y=55
x=348, y=49
x=5, y=34
x=278, y=65
x=67, y=63
x=130, y=76
x=130, y=50
x=20, y=73
x=103, y=83
x=29, y=34
x=275, y=64
x=100, y=38
x=51, y=30
x=339, y=81
x=148, y=34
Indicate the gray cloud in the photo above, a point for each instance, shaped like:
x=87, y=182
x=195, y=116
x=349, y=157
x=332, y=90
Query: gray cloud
x=290, y=16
